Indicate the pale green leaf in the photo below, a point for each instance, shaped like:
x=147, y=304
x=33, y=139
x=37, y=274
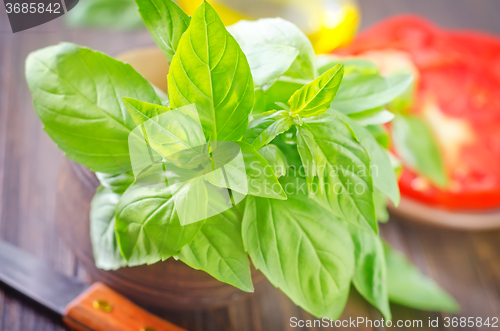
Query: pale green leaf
x=367, y=91
x=370, y=277
x=416, y=145
x=409, y=287
x=375, y=116
x=268, y=62
x=278, y=32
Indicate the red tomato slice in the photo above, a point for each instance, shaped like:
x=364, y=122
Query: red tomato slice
x=458, y=93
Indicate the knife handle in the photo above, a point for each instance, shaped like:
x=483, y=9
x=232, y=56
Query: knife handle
x=100, y=308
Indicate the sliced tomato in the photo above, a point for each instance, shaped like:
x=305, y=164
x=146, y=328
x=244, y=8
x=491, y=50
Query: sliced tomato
x=458, y=93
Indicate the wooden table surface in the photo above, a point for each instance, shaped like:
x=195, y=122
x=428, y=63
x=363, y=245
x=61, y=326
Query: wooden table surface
x=465, y=264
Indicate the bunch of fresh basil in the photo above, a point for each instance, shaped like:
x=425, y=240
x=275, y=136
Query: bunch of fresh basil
x=311, y=230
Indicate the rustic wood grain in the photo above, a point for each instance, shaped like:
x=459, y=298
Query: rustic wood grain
x=466, y=264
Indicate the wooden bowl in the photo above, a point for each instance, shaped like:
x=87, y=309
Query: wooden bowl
x=161, y=286
x=413, y=210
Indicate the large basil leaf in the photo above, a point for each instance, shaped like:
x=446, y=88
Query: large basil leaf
x=148, y=227
x=218, y=250
x=210, y=70
x=370, y=277
x=258, y=179
x=382, y=171
x=77, y=94
x=338, y=169
x=409, y=287
x=416, y=145
x=360, y=92
x=166, y=22
x=263, y=128
x=276, y=159
x=107, y=254
x=278, y=32
x=316, y=97
x=301, y=248
x=118, y=183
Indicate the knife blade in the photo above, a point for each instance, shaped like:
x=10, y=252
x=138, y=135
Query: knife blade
x=83, y=307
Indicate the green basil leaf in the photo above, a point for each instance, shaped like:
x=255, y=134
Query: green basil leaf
x=370, y=277
x=380, y=134
x=363, y=92
x=382, y=172
x=258, y=179
x=110, y=14
x=380, y=202
x=416, y=145
x=375, y=116
x=141, y=111
x=166, y=22
x=278, y=32
x=107, y=254
x=210, y=70
x=300, y=248
x=148, y=227
x=276, y=159
x=290, y=151
x=351, y=65
x=282, y=91
x=116, y=183
x=316, y=97
x=77, y=94
x=218, y=250
x=409, y=287
x=338, y=169
x=268, y=62
x=263, y=128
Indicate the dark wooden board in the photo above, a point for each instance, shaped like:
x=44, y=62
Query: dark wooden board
x=466, y=264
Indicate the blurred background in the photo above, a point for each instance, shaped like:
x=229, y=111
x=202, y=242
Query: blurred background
x=467, y=264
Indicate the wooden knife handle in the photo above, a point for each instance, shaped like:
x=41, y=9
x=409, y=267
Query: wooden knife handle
x=100, y=308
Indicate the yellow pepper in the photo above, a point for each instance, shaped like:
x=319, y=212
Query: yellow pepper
x=329, y=24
